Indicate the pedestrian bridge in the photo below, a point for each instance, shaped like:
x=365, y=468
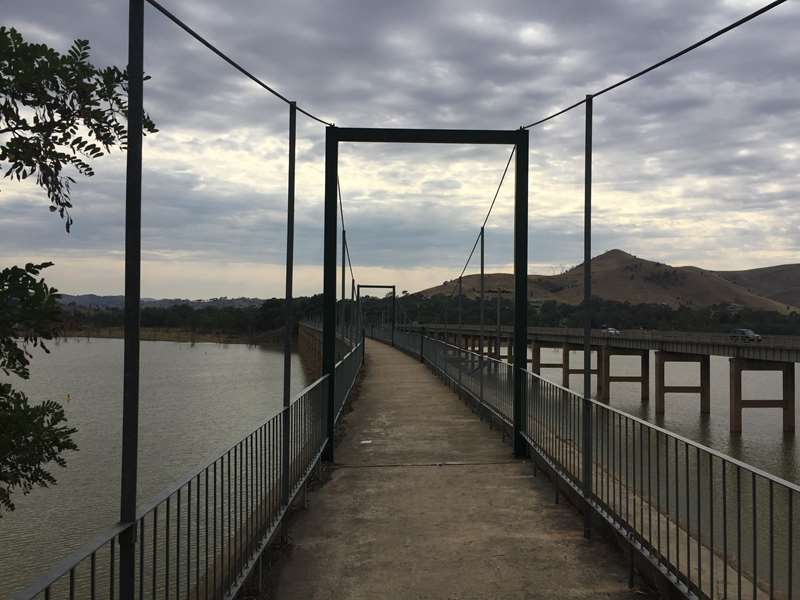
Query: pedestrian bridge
x=426, y=501
x=402, y=456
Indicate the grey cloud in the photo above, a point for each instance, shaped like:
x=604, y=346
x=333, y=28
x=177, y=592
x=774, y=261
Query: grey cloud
x=446, y=64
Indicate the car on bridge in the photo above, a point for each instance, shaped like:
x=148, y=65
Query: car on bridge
x=611, y=331
x=745, y=335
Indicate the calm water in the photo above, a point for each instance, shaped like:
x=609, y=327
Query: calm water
x=196, y=401
x=762, y=442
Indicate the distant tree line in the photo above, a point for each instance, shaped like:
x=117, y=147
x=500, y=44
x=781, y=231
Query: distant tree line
x=438, y=309
x=621, y=315
x=211, y=319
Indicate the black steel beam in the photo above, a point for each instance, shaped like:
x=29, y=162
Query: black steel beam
x=133, y=269
x=587, y=320
x=287, y=303
x=329, y=282
x=427, y=136
x=520, y=289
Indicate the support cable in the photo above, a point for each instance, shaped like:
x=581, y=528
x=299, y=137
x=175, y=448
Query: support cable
x=229, y=60
x=497, y=192
x=341, y=214
x=663, y=62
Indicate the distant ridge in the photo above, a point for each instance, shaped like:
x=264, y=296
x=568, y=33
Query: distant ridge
x=622, y=277
x=93, y=301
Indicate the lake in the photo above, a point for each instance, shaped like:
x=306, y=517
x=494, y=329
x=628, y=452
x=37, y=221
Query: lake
x=196, y=400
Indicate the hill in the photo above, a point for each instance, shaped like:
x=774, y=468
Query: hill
x=622, y=277
x=93, y=301
x=780, y=283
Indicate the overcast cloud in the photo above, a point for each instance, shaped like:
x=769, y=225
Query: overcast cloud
x=696, y=163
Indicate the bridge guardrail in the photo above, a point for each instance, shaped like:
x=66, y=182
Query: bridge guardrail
x=715, y=526
x=791, y=342
x=203, y=537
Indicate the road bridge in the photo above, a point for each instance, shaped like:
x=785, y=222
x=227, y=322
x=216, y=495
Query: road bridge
x=773, y=353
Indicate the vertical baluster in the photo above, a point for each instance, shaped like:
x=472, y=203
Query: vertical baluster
x=771, y=544
x=111, y=584
x=688, y=517
x=205, y=528
x=197, y=540
x=724, y=527
x=711, y=553
x=755, y=536
x=154, y=574
x=189, y=540
x=178, y=546
x=93, y=576
x=214, y=525
x=141, y=558
x=791, y=542
x=699, y=523
x=166, y=552
x=677, y=511
x=739, y=530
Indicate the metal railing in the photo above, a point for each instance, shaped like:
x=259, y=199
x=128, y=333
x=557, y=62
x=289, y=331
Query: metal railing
x=203, y=537
x=713, y=525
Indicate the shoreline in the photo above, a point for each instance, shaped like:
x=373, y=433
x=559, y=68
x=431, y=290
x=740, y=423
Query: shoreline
x=166, y=334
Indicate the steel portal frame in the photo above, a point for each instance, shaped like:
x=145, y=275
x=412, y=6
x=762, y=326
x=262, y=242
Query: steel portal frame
x=516, y=137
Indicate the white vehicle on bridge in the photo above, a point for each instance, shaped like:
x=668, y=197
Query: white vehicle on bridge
x=745, y=335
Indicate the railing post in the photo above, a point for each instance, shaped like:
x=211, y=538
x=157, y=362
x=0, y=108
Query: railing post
x=287, y=303
x=133, y=254
x=394, y=312
x=343, y=324
x=329, y=283
x=520, y=290
x=480, y=349
x=587, y=323
x=459, y=335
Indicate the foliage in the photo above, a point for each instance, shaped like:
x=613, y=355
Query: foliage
x=58, y=111
x=622, y=315
x=31, y=436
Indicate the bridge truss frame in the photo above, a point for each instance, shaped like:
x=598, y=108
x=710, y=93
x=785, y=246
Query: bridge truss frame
x=519, y=138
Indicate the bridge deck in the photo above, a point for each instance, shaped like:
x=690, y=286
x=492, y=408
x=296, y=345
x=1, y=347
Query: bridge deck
x=426, y=502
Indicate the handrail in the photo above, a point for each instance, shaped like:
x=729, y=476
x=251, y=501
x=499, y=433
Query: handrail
x=761, y=473
x=68, y=564
x=553, y=428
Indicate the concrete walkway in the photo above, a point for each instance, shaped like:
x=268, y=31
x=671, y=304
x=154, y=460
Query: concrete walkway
x=426, y=502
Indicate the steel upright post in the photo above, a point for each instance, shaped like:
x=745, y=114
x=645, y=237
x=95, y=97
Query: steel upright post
x=587, y=322
x=394, y=311
x=353, y=311
x=344, y=258
x=460, y=334
x=133, y=257
x=480, y=343
x=287, y=303
x=520, y=290
x=329, y=283
x=498, y=343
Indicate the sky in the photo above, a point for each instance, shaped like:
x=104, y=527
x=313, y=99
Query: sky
x=695, y=163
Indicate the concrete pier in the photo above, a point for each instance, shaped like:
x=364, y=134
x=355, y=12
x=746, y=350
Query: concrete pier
x=785, y=403
x=425, y=501
x=704, y=389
